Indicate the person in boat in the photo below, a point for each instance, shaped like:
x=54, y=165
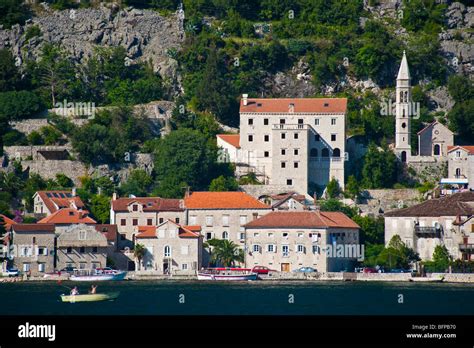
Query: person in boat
x=74, y=291
x=93, y=289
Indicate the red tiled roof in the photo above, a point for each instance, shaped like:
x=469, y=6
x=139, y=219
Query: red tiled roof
x=68, y=216
x=184, y=231
x=146, y=232
x=7, y=222
x=232, y=139
x=456, y=204
x=222, y=200
x=33, y=227
x=110, y=231
x=194, y=228
x=150, y=204
x=306, y=219
x=55, y=200
x=468, y=148
x=301, y=105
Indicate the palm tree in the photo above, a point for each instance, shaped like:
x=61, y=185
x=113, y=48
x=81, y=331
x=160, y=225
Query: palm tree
x=139, y=252
x=224, y=252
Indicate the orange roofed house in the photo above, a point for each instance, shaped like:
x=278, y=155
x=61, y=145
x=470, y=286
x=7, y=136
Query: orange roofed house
x=290, y=143
x=286, y=241
x=48, y=202
x=171, y=248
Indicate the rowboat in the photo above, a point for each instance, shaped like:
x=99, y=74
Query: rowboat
x=108, y=296
x=98, y=277
x=229, y=274
x=438, y=279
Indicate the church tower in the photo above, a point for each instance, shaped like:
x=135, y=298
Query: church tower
x=403, y=112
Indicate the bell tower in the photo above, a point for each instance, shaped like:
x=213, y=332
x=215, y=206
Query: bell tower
x=403, y=112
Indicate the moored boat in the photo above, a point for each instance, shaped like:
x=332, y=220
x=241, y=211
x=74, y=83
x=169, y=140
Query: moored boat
x=107, y=296
x=98, y=277
x=229, y=274
x=438, y=279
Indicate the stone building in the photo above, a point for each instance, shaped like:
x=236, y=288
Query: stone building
x=66, y=217
x=291, y=201
x=443, y=221
x=286, y=241
x=128, y=213
x=222, y=215
x=33, y=246
x=48, y=202
x=81, y=246
x=434, y=140
x=298, y=143
x=171, y=248
x=460, y=169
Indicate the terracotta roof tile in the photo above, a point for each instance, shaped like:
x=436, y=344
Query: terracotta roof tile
x=110, y=231
x=301, y=105
x=222, y=200
x=146, y=232
x=305, y=219
x=232, y=139
x=7, y=222
x=184, y=231
x=151, y=204
x=468, y=148
x=457, y=204
x=55, y=200
x=68, y=216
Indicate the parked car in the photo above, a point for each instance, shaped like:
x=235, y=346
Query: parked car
x=262, y=270
x=11, y=272
x=305, y=270
x=370, y=270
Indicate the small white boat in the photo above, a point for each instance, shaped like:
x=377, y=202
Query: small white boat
x=109, y=296
x=98, y=277
x=437, y=279
x=227, y=274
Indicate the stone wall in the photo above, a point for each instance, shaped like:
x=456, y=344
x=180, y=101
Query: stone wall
x=377, y=201
x=427, y=168
x=49, y=169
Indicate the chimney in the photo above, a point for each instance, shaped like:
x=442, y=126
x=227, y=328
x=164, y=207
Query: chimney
x=244, y=99
x=74, y=193
x=114, y=196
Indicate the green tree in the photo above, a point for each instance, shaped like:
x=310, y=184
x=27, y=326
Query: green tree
x=19, y=105
x=100, y=208
x=9, y=75
x=352, y=187
x=138, y=183
x=371, y=229
x=224, y=252
x=222, y=183
x=139, y=252
x=13, y=12
x=335, y=205
x=441, y=260
x=380, y=168
x=397, y=255
x=64, y=181
x=34, y=138
x=461, y=120
x=460, y=88
x=333, y=189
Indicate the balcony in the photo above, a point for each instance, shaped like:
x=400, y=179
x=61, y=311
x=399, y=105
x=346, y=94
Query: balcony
x=432, y=232
x=290, y=126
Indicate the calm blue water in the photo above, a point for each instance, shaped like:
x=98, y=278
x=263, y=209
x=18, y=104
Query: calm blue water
x=256, y=298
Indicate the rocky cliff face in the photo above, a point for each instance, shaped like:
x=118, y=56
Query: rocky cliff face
x=143, y=33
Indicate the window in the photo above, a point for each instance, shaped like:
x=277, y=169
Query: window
x=404, y=125
x=184, y=266
x=265, y=121
x=333, y=121
x=250, y=121
x=266, y=154
x=295, y=135
x=41, y=267
x=167, y=251
x=184, y=250
x=34, y=240
x=436, y=150
x=295, y=165
x=283, y=152
x=243, y=219
x=161, y=220
x=458, y=172
x=26, y=267
x=225, y=235
x=208, y=235
x=95, y=265
x=135, y=222
x=458, y=154
x=300, y=248
x=271, y=248
x=209, y=220
x=317, y=137
x=300, y=121
x=271, y=234
x=123, y=222
x=82, y=235
x=283, y=135
x=42, y=251
x=316, y=249
x=225, y=220
x=295, y=152
x=82, y=265
x=336, y=152
x=285, y=250
x=282, y=121
x=94, y=250
x=149, y=222
x=192, y=220
x=256, y=248
x=313, y=152
x=68, y=250
x=241, y=235
x=289, y=182
x=82, y=250
x=135, y=207
x=256, y=234
x=176, y=220
x=300, y=234
x=250, y=138
x=283, y=164
x=333, y=137
x=266, y=138
x=285, y=234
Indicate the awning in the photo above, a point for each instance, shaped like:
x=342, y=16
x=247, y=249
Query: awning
x=453, y=181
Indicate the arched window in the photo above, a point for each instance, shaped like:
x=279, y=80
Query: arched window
x=313, y=152
x=404, y=156
x=401, y=97
x=404, y=125
x=406, y=97
x=436, y=150
x=458, y=172
x=225, y=235
x=325, y=152
x=167, y=251
x=336, y=152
